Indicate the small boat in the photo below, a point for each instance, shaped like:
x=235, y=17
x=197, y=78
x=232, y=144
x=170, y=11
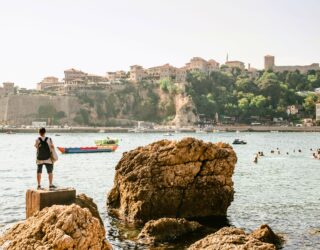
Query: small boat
x=238, y=141
x=168, y=134
x=10, y=132
x=107, y=142
x=57, y=135
x=77, y=150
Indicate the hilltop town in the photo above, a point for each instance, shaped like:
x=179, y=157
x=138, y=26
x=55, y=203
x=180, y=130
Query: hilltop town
x=172, y=95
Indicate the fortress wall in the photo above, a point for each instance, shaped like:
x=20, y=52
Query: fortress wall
x=24, y=109
x=303, y=69
x=3, y=107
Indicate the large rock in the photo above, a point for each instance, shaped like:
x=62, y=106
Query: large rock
x=57, y=227
x=230, y=238
x=86, y=202
x=166, y=230
x=186, y=179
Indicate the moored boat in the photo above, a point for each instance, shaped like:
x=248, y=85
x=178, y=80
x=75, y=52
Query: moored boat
x=107, y=142
x=238, y=141
x=96, y=149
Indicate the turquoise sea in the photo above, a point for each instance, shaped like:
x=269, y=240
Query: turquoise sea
x=281, y=190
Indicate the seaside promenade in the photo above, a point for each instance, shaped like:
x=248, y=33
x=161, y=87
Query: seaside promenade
x=233, y=128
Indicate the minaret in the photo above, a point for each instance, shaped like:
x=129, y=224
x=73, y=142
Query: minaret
x=227, y=58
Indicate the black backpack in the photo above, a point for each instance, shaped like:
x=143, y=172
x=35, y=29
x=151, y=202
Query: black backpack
x=43, y=150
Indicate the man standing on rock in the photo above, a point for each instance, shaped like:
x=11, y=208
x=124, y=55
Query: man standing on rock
x=44, y=146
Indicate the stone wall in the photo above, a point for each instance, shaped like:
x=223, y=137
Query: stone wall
x=20, y=109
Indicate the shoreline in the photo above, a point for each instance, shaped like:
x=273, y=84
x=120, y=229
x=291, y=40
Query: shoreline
x=216, y=129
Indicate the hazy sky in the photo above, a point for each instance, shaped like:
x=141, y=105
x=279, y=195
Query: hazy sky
x=43, y=37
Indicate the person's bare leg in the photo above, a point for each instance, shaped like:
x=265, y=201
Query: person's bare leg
x=39, y=178
x=50, y=179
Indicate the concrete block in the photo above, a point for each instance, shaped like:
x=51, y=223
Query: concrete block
x=39, y=199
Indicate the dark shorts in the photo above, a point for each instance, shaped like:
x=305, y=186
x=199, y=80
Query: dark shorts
x=49, y=168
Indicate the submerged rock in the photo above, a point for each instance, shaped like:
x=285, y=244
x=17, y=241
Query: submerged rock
x=265, y=234
x=183, y=179
x=57, y=227
x=231, y=238
x=166, y=230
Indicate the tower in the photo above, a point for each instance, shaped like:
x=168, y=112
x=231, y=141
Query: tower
x=268, y=62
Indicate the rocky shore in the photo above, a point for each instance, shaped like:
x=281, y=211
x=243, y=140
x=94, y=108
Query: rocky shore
x=166, y=184
x=59, y=227
x=169, y=188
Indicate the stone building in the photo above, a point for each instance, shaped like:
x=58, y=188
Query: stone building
x=293, y=109
x=8, y=88
x=197, y=64
x=137, y=73
x=92, y=78
x=269, y=63
x=235, y=64
x=1, y=91
x=181, y=74
x=48, y=82
x=201, y=65
x=116, y=76
x=161, y=72
x=75, y=77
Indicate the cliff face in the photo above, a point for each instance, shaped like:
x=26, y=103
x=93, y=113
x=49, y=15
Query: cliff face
x=121, y=105
x=186, y=112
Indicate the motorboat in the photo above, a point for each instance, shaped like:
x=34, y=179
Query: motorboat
x=238, y=141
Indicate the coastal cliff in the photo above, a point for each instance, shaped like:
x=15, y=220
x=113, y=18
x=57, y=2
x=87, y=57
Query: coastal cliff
x=121, y=105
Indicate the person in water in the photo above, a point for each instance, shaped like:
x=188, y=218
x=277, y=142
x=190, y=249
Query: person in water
x=44, y=145
x=256, y=158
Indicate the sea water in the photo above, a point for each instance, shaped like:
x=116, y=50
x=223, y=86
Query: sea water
x=282, y=190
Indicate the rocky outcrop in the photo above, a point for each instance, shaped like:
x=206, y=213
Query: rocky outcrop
x=184, y=179
x=265, y=234
x=57, y=227
x=166, y=230
x=231, y=238
x=86, y=202
x=186, y=111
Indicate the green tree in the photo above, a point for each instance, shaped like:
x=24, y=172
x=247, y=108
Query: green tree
x=309, y=104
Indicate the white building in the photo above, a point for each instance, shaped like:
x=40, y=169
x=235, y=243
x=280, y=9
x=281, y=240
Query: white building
x=318, y=112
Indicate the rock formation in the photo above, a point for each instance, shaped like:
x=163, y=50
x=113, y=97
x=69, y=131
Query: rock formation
x=166, y=230
x=86, y=202
x=184, y=179
x=265, y=234
x=57, y=227
x=186, y=111
x=231, y=238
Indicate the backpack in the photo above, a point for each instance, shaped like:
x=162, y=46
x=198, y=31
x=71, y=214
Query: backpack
x=43, y=150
